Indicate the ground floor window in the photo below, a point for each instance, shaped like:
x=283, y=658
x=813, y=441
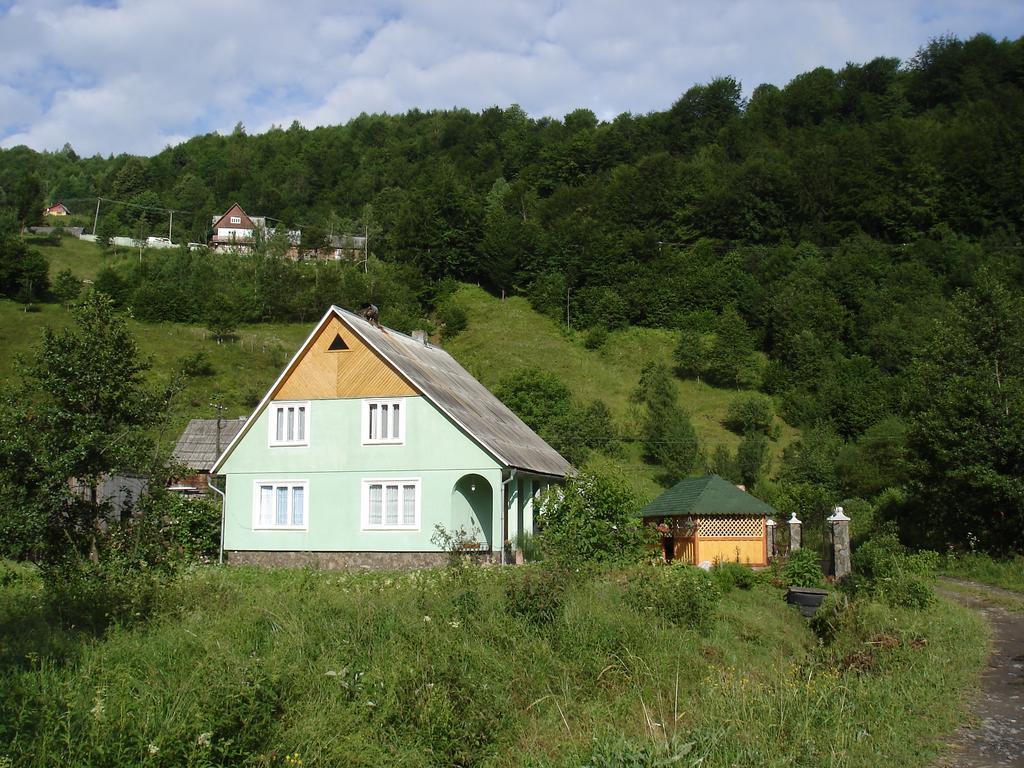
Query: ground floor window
x=391, y=505
x=281, y=504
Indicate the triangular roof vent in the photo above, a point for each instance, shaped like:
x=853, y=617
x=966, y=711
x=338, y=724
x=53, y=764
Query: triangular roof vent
x=338, y=344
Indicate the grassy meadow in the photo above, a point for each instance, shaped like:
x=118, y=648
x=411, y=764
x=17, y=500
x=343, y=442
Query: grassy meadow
x=503, y=336
x=506, y=335
x=1006, y=573
x=283, y=668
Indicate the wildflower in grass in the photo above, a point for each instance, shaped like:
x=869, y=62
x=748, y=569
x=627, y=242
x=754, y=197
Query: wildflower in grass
x=426, y=619
x=205, y=739
x=455, y=623
x=98, y=706
x=293, y=759
x=153, y=749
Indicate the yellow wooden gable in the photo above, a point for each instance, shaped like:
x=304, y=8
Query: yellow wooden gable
x=338, y=364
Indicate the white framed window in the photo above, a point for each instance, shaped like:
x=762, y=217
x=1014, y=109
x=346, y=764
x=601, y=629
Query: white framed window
x=383, y=422
x=280, y=505
x=236, y=219
x=289, y=423
x=391, y=505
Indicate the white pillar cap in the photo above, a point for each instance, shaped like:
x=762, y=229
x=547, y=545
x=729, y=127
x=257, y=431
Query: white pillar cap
x=838, y=516
x=770, y=522
x=793, y=520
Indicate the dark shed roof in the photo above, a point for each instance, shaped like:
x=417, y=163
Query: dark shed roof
x=197, y=448
x=706, y=496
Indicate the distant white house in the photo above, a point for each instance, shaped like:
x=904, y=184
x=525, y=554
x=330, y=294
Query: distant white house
x=236, y=230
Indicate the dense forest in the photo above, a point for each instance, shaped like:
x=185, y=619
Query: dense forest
x=850, y=244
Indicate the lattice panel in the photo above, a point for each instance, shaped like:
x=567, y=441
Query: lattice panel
x=718, y=527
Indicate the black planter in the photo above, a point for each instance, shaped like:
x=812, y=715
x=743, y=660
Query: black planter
x=807, y=599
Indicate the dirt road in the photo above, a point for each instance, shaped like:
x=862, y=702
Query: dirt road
x=995, y=736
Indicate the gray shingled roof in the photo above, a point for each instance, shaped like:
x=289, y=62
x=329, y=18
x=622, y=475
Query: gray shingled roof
x=464, y=399
x=197, y=448
x=706, y=496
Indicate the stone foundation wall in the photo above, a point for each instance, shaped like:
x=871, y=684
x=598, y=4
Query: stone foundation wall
x=350, y=561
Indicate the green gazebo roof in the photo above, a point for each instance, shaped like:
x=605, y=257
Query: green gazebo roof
x=706, y=496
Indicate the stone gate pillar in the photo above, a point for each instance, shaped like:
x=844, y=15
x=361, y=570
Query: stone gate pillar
x=839, y=527
x=794, y=533
x=769, y=534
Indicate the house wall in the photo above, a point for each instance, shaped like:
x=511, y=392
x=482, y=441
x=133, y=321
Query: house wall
x=335, y=463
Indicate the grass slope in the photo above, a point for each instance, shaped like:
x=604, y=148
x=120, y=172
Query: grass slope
x=262, y=668
x=503, y=336
x=506, y=335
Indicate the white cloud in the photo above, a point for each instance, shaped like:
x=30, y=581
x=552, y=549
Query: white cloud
x=143, y=73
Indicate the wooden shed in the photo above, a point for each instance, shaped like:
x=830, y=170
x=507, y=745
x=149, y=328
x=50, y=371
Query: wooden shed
x=708, y=519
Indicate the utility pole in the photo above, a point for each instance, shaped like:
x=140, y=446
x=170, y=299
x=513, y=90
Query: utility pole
x=170, y=225
x=220, y=421
x=97, y=217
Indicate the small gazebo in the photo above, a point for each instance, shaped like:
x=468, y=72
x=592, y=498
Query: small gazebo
x=708, y=519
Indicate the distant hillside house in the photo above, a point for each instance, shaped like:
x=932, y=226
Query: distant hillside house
x=708, y=519
x=57, y=209
x=238, y=231
x=367, y=442
x=198, y=448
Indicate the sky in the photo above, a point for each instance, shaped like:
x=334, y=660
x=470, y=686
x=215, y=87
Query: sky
x=139, y=75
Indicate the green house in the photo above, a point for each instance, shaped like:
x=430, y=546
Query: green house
x=708, y=519
x=367, y=441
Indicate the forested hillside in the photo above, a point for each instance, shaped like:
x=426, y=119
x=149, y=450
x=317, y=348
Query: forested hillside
x=848, y=244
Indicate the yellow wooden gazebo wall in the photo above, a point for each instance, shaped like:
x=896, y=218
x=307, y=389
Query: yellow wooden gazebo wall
x=724, y=539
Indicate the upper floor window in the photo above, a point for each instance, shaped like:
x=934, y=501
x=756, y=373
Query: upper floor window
x=289, y=423
x=236, y=219
x=383, y=422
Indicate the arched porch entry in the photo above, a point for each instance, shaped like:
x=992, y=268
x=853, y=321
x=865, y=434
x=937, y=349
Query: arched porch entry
x=472, y=502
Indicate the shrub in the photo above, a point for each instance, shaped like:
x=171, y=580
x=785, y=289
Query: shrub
x=530, y=547
x=802, y=569
x=729, y=576
x=885, y=570
x=593, y=519
x=169, y=530
x=453, y=319
x=535, y=593
x=457, y=544
x=831, y=617
x=92, y=595
x=680, y=594
x=196, y=365
x=751, y=413
x=595, y=337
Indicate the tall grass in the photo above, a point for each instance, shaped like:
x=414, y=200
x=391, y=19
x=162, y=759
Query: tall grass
x=249, y=667
x=977, y=566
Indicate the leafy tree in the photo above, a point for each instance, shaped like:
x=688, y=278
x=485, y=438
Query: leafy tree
x=689, y=354
x=24, y=273
x=752, y=457
x=966, y=436
x=751, y=413
x=729, y=361
x=81, y=412
x=592, y=519
x=722, y=462
x=112, y=285
x=66, y=287
x=877, y=460
x=28, y=201
x=667, y=435
x=546, y=405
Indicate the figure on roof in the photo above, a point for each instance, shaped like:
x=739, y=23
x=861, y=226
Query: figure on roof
x=371, y=314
